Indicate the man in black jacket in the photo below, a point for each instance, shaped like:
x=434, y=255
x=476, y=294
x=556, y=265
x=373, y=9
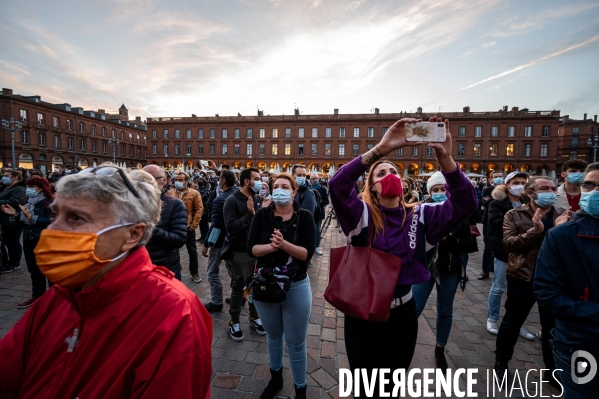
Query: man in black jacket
x=319, y=214
x=239, y=210
x=170, y=234
x=495, y=178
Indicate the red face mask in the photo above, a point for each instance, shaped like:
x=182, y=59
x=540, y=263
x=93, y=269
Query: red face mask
x=391, y=186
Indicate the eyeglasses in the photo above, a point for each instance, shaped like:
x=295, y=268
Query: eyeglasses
x=159, y=177
x=589, y=186
x=111, y=171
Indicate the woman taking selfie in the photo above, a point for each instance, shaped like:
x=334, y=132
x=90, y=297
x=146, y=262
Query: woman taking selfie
x=284, y=235
x=399, y=229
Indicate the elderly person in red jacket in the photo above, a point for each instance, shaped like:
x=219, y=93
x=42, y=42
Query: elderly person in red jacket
x=113, y=325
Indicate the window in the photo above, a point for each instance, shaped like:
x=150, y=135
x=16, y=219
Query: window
x=356, y=132
x=287, y=149
x=188, y=133
x=212, y=149
x=165, y=147
x=236, y=149
x=177, y=133
x=300, y=149
x=356, y=149
x=113, y=133
x=70, y=143
x=24, y=137
x=477, y=150
x=130, y=136
x=314, y=149
x=105, y=148
x=493, y=150
x=154, y=148
x=93, y=129
x=154, y=133
x=327, y=132
x=188, y=149
x=83, y=145
x=414, y=151
x=249, y=133
x=429, y=152
x=526, y=150
x=275, y=133
x=123, y=150
x=138, y=139
x=399, y=152
x=509, y=150
x=511, y=131
x=478, y=131
x=94, y=146
x=288, y=133
x=57, y=142
x=544, y=148
x=573, y=154
x=56, y=121
x=527, y=131
x=82, y=127
x=105, y=131
x=23, y=114
x=462, y=131
x=545, y=131
x=224, y=149
x=212, y=133
x=69, y=124
x=275, y=149
x=40, y=118
x=314, y=132
x=261, y=149
x=300, y=133
x=574, y=142
x=342, y=149
x=494, y=131
x=200, y=149
x=262, y=133
x=385, y=130
x=248, y=149
x=369, y=147
x=200, y=133
x=461, y=149
x=225, y=133
x=236, y=133
x=327, y=149
x=122, y=135
x=370, y=132
x=164, y=134
x=575, y=130
x=342, y=132
x=42, y=139
x=145, y=140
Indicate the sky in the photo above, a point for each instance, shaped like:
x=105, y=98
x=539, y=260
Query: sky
x=177, y=58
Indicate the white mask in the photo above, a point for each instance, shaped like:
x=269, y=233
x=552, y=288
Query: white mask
x=517, y=190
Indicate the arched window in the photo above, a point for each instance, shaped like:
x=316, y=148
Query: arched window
x=573, y=154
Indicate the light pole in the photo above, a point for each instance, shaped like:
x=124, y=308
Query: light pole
x=114, y=142
x=13, y=125
x=593, y=143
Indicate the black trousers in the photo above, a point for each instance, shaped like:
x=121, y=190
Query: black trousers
x=204, y=224
x=192, y=250
x=520, y=300
x=11, y=245
x=388, y=344
x=487, y=255
x=38, y=280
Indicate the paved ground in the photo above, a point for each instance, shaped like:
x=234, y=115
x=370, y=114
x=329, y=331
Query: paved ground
x=241, y=369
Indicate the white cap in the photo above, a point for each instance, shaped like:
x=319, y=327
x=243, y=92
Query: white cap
x=514, y=174
x=436, y=178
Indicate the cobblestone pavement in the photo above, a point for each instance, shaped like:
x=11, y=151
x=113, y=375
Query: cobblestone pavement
x=240, y=369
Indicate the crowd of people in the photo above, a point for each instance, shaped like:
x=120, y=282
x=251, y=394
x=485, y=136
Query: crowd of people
x=106, y=277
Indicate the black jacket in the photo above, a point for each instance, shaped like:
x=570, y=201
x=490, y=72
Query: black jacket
x=13, y=196
x=500, y=205
x=486, y=192
x=324, y=200
x=217, y=218
x=41, y=219
x=238, y=219
x=169, y=235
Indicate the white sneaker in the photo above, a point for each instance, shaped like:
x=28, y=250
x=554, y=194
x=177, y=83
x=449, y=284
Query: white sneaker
x=524, y=333
x=492, y=326
x=318, y=251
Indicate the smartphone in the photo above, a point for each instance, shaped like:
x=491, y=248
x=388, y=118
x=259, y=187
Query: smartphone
x=432, y=132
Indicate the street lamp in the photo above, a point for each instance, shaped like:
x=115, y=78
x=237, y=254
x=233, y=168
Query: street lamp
x=114, y=141
x=593, y=143
x=13, y=125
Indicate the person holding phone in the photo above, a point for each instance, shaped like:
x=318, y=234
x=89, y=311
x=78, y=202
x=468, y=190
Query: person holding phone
x=400, y=229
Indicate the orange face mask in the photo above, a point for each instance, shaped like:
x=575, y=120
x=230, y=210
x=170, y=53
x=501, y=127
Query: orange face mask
x=68, y=259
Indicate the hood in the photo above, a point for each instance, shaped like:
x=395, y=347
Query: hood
x=499, y=193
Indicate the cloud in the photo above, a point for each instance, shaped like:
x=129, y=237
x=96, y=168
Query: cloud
x=466, y=54
x=489, y=44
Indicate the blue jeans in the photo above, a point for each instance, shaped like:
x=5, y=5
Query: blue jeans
x=445, y=295
x=318, y=225
x=571, y=389
x=497, y=289
x=289, y=319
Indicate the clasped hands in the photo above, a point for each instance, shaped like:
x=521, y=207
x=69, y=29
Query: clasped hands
x=276, y=240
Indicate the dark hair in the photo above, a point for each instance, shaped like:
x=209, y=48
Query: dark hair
x=246, y=174
x=592, y=167
x=531, y=183
x=42, y=183
x=226, y=166
x=577, y=164
x=296, y=166
x=288, y=177
x=184, y=174
x=228, y=177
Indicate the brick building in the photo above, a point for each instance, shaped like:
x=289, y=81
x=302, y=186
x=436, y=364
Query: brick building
x=507, y=140
x=54, y=134
x=573, y=139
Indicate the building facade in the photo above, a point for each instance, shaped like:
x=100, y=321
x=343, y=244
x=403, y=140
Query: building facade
x=59, y=134
x=507, y=140
x=573, y=139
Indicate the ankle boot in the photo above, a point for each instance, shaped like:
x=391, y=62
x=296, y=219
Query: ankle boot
x=274, y=385
x=440, y=360
x=300, y=393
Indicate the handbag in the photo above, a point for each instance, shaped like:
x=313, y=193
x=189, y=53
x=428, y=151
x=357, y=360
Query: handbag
x=362, y=281
x=474, y=230
x=227, y=249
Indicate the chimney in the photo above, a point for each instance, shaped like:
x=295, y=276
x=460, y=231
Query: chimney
x=376, y=111
x=585, y=117
x=193, y=116
x=595, y=118
x=467, y=110
x=101, y=111
x=566, y=118
x=505, y=108
x=6, y=92
x=419, y=110
x=514, y=109
x=336, y=111
x=296, y=111
x=138, y=119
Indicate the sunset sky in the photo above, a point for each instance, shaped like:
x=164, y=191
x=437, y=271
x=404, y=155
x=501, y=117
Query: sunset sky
x=175, y=58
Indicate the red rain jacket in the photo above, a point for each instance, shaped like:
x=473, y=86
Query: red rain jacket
x=137, y=333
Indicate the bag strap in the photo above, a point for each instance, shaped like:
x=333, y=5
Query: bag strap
x=297, y=228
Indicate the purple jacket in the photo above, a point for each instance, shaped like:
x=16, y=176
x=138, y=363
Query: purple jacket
x=424, y=223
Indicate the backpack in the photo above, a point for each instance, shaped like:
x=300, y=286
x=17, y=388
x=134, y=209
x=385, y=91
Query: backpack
x=318, y=201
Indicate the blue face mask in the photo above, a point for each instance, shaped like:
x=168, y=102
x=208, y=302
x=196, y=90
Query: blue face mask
x=589, y=202
x=545, y=200
x=439, y=197
x=30, y=192
x=6, y=180
x=300, y=180
x=281, y=196
x=179, y=185
x=575, y=177
x=257, y=186
x=498, y=180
